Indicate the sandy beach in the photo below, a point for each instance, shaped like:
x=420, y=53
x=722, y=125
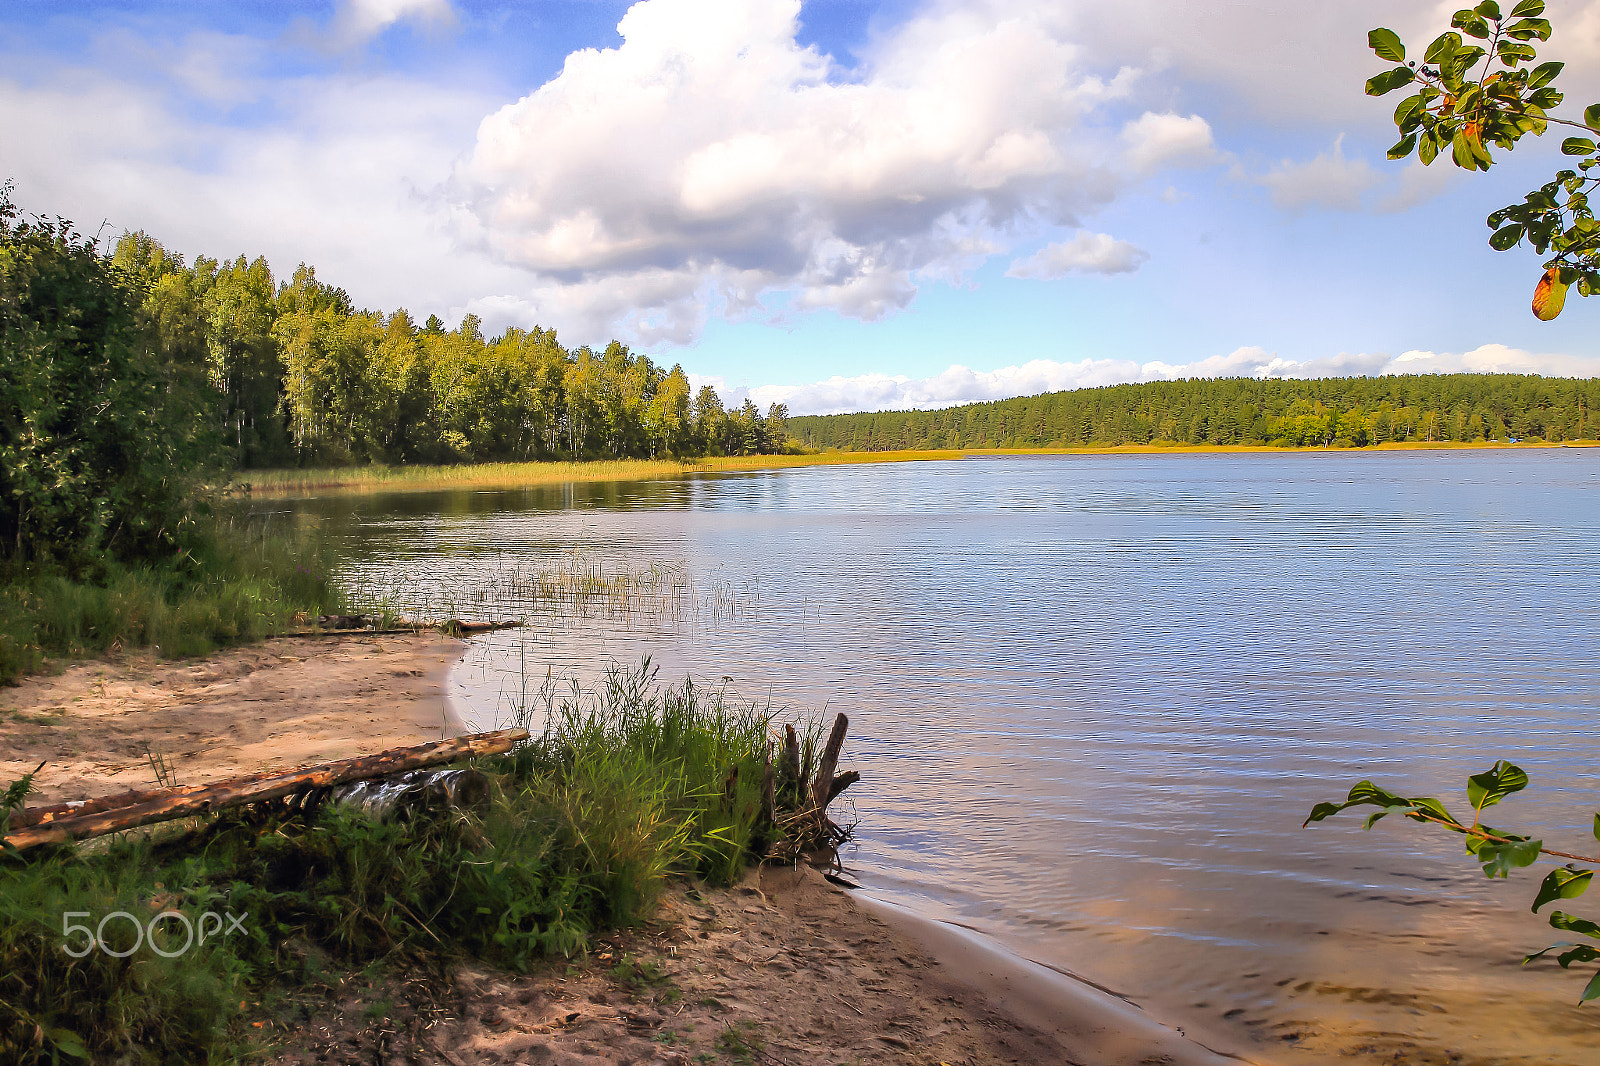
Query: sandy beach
x=783, y=968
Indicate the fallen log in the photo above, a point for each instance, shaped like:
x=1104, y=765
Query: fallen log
x=192, y=800
x=116, y=801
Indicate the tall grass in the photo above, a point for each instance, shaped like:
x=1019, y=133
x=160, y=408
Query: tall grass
x=238, y=583
x=358, y=479
x=625, y=786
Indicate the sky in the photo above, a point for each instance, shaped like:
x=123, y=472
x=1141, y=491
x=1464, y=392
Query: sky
x=834, y=204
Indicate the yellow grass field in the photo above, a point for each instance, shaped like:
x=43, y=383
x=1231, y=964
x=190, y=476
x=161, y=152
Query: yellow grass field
x=358, y=479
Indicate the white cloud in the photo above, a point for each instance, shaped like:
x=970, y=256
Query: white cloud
x=1085, y=253
x=1154, y=142
x=960, y=384
x=336, y=170
x=710, y=147
x=1329, y=181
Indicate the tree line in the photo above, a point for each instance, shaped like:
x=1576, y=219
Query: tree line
x=1328, y=412
x=299, y=376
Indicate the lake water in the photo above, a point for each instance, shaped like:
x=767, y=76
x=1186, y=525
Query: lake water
x=1093, y=698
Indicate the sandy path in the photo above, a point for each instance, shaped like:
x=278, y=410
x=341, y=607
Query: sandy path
x=278, y=704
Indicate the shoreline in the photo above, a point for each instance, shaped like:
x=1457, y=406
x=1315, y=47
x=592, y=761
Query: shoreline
x=258, y=707
x=280, y=484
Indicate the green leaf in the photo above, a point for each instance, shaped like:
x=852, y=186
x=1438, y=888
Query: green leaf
x=1488, y=9
x=1528, y=9
x=1566, y=883
x=1597, y=825
x=1572, y=923
x=1490, y=787
x=1431, y=806
x=68, y=1043
x=1427, y=149
x=1387, y=44
x=1577, y=146
x=1408, y=107
x=1579, y=953
x=1390, y=80
x=1544, y=74
x=1506, y=237
x=1500, y=859
x=1443, y=47
x=1591, y=116
x=1590, y=990
x=1528, y=28
x=1403, y=148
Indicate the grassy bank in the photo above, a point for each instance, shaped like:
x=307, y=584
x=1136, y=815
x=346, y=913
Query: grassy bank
x=628, y=786
x=357, y=479
x=237, y=583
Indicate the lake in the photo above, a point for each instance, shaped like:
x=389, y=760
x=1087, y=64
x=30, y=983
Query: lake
x=1094, y=697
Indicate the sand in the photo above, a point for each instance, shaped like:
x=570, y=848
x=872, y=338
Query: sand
x=275, y=705
x=785, y=968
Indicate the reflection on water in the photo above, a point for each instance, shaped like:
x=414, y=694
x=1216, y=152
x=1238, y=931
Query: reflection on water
x=1094, y=697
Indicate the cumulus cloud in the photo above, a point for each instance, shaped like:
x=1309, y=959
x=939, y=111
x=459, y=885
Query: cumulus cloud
x=1328, y=181
x=1085, y=253
x=960, y=384
x=712, y=149
x=1155, y=141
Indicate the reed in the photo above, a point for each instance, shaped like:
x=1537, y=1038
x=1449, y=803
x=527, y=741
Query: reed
x=419, y=478
x=578, y=586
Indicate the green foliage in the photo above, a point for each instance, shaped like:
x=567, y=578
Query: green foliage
x=238, y=584
x=100, y=436
x=300, y=376
x=1497, y=850
x=1463, y=108
x=1341, y=412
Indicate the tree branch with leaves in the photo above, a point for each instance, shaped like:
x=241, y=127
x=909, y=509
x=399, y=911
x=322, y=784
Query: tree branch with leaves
x=1471, y=96
x=1499, y=851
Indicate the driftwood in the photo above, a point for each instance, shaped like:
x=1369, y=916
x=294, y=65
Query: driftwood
x=451, y=627
x=821, y=788
x=807, y=827
x=190, y=800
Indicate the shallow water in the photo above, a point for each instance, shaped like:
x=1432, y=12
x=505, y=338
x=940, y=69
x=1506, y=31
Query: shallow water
x=1093, y=698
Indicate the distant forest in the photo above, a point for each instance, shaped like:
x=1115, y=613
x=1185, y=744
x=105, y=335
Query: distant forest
x=299, y=376
x=1335, y=412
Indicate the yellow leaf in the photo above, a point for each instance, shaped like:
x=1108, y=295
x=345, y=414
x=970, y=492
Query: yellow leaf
x=1549, y=296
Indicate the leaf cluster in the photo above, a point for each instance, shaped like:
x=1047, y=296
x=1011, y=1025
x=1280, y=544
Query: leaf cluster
x=1480, y=88
x=1499, y=851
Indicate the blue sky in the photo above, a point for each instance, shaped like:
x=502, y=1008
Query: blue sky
x=839, y=204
